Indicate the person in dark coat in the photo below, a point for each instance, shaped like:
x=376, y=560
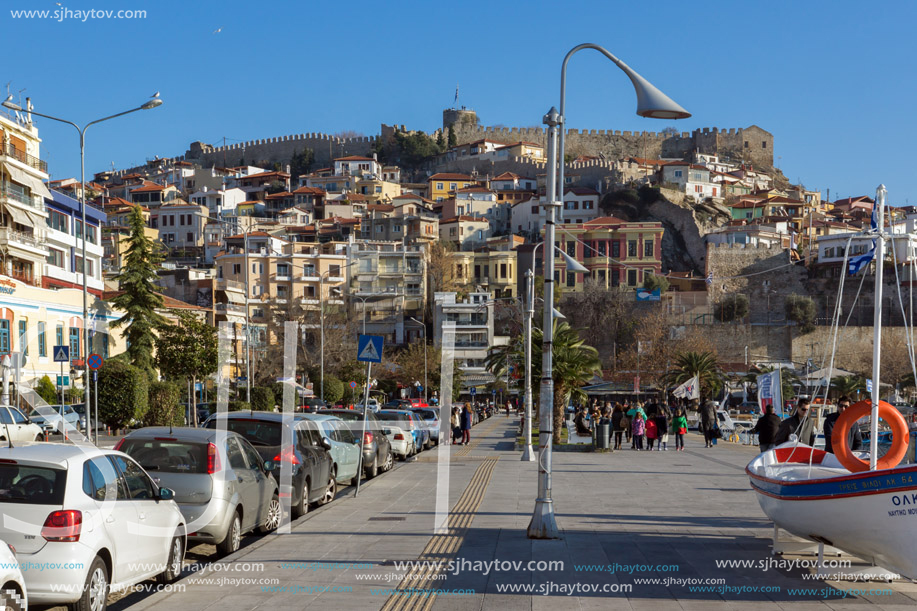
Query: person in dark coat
x=662, y=425
x=708, y=422
x=618, y=425
x=466, y=425
x=766, y=428
x=797, y=424
x=854, y=436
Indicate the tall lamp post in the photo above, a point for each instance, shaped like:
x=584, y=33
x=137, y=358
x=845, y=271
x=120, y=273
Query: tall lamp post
x=152, y=103
x=424, y=327
x=650, y=103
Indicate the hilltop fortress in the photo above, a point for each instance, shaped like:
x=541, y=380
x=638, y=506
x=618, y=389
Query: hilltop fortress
x=751, y=144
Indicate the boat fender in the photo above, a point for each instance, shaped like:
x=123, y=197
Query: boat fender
x=840, y=438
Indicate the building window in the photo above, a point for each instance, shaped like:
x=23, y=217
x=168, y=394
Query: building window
x=60, y=335
x=571, y=248
x=78, y=266
x=190, y=237
x=105, y=345
x=631, y=277
x=4, y=336
x=23, y=339
x=764, y=144
x=58, y=220
x=615, y=277
x=571, y=279
x=283, y=269
x=632, y=248
x=746, y=144
x=615, y=250
x=601, y=248
x=503, y=270
x=55, y=257
x=477, y=272
x=74, y=343
x=236, y=269
x=42, y=345
x=439, y=186
x=648, y=248
x=677, y=173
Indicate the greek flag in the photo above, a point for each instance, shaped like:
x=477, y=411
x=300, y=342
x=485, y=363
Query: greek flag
x=709, y=278
x=855, y=264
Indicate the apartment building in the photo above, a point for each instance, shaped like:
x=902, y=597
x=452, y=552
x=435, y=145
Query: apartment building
x=474, y=331
x=64, y=244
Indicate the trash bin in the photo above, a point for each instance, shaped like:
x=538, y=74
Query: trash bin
x=602, y=437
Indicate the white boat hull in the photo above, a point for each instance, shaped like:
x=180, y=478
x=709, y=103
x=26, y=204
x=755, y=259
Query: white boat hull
x=871, y=515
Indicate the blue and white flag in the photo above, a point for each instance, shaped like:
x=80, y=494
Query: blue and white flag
x=770, y=391
x=856, y=264
x=688, y=390
x=709, y=278
x=868, y=385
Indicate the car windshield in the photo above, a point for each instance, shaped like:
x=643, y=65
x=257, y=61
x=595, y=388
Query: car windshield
x=426, y=414
x=402, y=420
x=257, y=432
x=167, y=455
x=32, y=485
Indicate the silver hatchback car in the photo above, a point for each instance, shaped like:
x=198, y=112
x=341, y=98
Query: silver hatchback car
x=223, y=488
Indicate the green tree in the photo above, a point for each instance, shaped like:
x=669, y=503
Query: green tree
x=46, y=389
x=187, y=350
x=574, y=363
x=848, y=385
x=262, y=399
x=440, y=142
x=301, y=162
x=651, y=282
x=413, y=149
x=139, y=297
x=733, y=306
x=334, y=389
x=701, y=364
x=164, y=408
x=123, y=393
x=802, y=311
x=452, y=139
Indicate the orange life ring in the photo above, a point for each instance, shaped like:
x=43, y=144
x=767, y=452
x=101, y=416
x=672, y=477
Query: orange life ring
x=887, y=412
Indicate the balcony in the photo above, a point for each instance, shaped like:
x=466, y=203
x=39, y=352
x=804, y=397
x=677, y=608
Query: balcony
x=21, y=198
x=224, y=284
x=20, y=238
x=230, y=308
x=23, y=157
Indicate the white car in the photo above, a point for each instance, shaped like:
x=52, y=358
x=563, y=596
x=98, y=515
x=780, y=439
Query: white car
x=402, y=441
x=12, y=585
x=14, y=425
x=93, y=511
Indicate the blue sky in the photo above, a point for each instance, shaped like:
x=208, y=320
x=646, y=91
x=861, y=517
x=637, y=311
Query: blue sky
x=833, y=81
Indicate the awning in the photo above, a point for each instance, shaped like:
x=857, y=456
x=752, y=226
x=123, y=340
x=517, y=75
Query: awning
x=23, y=178
x=234, y=297
x=19, y=216
x=37, y=219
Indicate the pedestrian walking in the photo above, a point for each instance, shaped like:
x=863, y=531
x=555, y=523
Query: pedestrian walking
x=456, y=422
x=662, y=426
x=708, y=422
x=854, y=436
x=509, y=406
x=798, y=424
x=766, y=428
x=638, y=430
x=618, y=425
x=651, y=433
x=466, y=425
x=679, y=429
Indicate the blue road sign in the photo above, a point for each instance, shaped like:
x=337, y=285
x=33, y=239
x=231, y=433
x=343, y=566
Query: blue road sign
x=94, y=361
x=369, y=349
x=95, y=376
x=494, y=391
x=474, y=390
x=61, y=354
x=63, y=379
x=353, y=384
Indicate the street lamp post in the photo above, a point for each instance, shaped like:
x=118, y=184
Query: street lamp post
x=527, y=454
x=424, y=327
x=152, y=103
x=650, y=103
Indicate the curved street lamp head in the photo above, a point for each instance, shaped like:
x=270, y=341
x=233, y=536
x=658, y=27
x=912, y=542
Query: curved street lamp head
x=151, y=104
x=557, y=313
x=572, y=264
x=651, y=102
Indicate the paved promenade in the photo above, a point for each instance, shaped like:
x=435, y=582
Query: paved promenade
x=641, y=530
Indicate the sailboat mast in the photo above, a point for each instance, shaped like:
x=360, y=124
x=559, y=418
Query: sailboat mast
x=877, y=328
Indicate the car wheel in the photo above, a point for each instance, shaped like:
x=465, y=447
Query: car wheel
x=302, y=508
x=38, y=438
x=389, y=462
x=11, y=600
x=374, y=470
x=233, y=539
x=95, y=590
x=174, y=565
x=332, y=489
x=274, y=515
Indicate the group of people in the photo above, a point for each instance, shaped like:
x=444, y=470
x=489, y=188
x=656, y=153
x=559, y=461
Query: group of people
x=645, y=427
x=461, y=425
x=772, y=431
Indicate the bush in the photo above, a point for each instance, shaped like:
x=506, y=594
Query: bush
x=46, y=389
x=164, y=408
x=801, y=310
x=262, y=398
x=123, y=394
x=651, y=282
x=731, y=307
x=239, y=406
x=334, y=389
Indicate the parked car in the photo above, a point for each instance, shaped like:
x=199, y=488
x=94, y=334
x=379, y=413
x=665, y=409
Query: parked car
x=307, y=454
x=92, y=519
x=399, y=432
x=310, y=404
x=203, y=412
x=345, y=453
x=12, y=585
x=418, y=402
x=397, y=404
x=415, y=425
x=16, y=427
x=49, y=417
x=377, y=449
x=80, y=409
x=222, y=486
x=430, y=418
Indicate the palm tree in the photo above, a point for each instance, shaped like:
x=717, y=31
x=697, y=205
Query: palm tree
x=573, y=365
x=701, y=364
x=848, y=385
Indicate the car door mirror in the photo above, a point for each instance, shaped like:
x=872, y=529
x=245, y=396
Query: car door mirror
x=386, y=431
x=325, y=443
x=166, y=494
x=268, y=465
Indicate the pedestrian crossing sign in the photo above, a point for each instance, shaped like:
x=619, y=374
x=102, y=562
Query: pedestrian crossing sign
x=62, y=354
x=369, y=349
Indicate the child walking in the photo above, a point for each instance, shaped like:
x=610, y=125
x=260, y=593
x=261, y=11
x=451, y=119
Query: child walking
x=638, y=430
x=679, y=429
x=651, y=433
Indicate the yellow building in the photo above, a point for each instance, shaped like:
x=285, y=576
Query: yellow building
x=443, y=186
x=493, y=271
x=378, y=191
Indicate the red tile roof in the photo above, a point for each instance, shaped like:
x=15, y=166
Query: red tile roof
x=309, y=191
x=265, y=175
x=463, y=218
x=281, y=195
x=474, y=189
x=354, y=158
x=449, y=176
x=148, y=188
